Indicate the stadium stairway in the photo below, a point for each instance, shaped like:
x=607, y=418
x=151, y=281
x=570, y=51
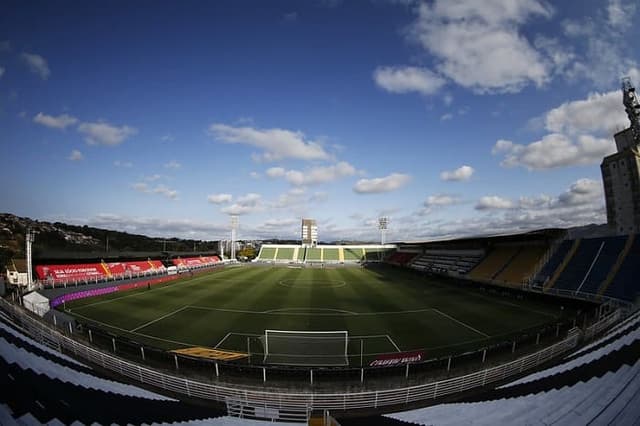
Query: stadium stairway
x=563, y=265
x=42, y=386
x=107, y=271
x=598, y=384
x=616, y=267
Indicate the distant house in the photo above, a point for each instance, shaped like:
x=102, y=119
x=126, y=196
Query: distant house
x=17, y=272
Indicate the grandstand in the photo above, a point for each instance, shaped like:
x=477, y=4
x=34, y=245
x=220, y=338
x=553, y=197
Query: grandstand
x=447, y=261
x=330, y=254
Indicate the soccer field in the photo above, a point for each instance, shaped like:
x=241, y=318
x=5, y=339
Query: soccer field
x=384, y=310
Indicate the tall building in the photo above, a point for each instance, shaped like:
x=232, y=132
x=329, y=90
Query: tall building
x=309, y=233
x=621, y=171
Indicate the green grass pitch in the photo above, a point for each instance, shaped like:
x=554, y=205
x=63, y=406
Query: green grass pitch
x=388, y=309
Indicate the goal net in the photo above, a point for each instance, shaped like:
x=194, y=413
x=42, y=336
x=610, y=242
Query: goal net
x=311, y=348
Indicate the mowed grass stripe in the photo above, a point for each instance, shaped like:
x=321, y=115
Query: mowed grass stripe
x=387, y=302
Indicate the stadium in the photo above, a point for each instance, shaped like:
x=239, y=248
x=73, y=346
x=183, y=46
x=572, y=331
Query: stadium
x=345, y=334
x=397, y=290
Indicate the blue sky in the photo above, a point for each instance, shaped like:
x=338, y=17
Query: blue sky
x=451, y=118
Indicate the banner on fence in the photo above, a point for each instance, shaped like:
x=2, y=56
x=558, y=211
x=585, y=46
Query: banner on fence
x=399, y=358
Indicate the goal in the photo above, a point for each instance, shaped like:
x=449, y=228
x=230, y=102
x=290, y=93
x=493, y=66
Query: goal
x=308, y=348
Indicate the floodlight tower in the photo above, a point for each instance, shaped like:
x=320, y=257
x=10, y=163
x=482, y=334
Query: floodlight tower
x=632, y=107
x=29, y=239
x=234, y=227
x=383, y=223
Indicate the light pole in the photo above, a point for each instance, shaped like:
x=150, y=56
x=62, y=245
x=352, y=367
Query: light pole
x=29, y=239
x=383, y=223
x=234, y=227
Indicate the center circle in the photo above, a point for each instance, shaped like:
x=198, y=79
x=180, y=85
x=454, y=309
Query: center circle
x=312, y=283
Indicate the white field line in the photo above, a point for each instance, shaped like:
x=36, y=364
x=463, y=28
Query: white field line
x=338, y=312
x=136, y=333
x=159, y=319
x=547, y=314
x=393, y=343
x=461, y=323
x=223, y=339
x=193, y=280
x=308, y=311
x=496, y=299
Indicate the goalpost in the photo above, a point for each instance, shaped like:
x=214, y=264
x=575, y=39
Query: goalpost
x=308, y=348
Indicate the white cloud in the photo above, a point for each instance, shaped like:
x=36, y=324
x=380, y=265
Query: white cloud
x=37, y=65
x=275, y=172
x=603, y=55
x=219, y=198
x=493, y=202
x=388, y=183
x=125, y=164
x=144, y=187
x=156, y=227
x=167, y=138
x=60, y=122
x=462, y=173
x=290, y=17
x=580, y=134
x=440, y=200
x=447, y=99
x=255, y=175
x=408, y=79
x=319, y=197
x=152, y=178
x=140, y=187
x=173, y=164
x=249, y=203
x=171, y=194
x=102, y=133
x=553, y=151
x=479, y=44
x=313, y=175
x=600, y=113
x=620, y=13
x=277, y=144
x=75, y=155
x=445, y=117
x=583, y=191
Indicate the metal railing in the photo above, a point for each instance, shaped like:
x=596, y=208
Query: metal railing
x=270, y=399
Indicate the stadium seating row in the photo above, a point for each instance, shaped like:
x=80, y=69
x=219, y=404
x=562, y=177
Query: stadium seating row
x=97, y=271
x=447, y=261
x=326, y=254
x=104, y=271
x=48, y=387
x=599, y=266
x=596, y=385
x=604, y=266
x=195, y=262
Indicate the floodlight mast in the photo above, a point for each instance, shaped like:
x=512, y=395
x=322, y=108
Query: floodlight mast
x=29, y=239
x=383, y=224
x=632, y=107
x=234, y=227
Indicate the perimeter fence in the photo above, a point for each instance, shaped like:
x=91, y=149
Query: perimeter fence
x=272, y=400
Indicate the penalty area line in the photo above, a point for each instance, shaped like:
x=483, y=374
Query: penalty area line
x=460, y=322
x=223, y=339
x=393, y=343
x=146, y=324
x=148, y=336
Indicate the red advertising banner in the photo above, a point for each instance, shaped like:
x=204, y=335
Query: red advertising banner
x=399, y=358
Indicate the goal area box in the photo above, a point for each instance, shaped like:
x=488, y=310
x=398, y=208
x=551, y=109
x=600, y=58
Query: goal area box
x=306, y=348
